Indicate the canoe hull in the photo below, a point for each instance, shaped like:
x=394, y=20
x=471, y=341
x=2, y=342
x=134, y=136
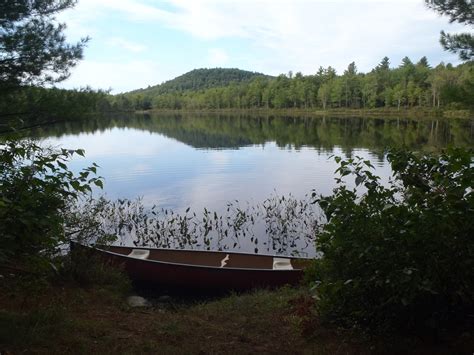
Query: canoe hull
x=155, y=274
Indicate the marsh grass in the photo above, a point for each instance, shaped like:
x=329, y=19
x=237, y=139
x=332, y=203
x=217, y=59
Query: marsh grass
x=279, y=225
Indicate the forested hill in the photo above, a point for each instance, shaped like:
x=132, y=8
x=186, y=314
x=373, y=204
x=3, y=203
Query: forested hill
x=405, y=85
x=199, y=79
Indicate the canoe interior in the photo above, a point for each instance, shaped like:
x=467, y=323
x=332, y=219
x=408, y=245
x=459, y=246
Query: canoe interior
x=206, y=258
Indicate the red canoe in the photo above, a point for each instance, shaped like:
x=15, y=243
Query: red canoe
x=202, y=270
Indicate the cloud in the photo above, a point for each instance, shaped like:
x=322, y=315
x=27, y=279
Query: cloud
x=120, y=76
x=127, y=45
x=217, y=57
x=302, y=35
x=274, y=36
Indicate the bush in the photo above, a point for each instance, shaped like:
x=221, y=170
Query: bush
x=84, y=268
x=36, y=192
x=402, y=255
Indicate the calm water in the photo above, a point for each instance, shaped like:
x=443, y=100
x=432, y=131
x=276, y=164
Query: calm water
x=200, y=161
x=205, y=161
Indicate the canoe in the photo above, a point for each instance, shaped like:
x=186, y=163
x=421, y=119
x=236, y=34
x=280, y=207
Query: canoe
x=201, y=270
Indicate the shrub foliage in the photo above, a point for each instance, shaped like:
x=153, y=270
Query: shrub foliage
x=399, y=255
x=37, y=190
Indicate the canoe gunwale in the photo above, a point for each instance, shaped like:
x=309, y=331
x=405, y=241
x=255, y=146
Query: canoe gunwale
x=126, y=257
x=204, y=251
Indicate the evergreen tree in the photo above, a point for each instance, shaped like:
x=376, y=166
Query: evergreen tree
x=384, y=64
x=382, y=72
x=33, y=48
x=461, y=11
x=423, y=62
x=351, y=86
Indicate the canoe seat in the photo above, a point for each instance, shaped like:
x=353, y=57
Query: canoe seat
x=139, y=254
x=282, y=264
x=225, y=260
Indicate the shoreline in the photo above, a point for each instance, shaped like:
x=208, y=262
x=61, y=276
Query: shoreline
x=369, y=113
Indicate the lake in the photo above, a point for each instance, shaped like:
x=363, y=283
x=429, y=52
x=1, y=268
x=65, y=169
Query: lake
x=197, y=161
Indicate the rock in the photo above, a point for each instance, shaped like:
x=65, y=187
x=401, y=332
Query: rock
x=164, y=299
x=466, y=335
x=137, y=301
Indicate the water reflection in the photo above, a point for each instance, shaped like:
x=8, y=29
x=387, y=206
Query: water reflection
x=234, y=131
x=197, y=161
x=200, y=161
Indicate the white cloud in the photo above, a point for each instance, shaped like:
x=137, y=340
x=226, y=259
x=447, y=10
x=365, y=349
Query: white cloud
x=120, y=76
x=303, y=35
x=127, y=45
x=217, y=57
x=282, y=35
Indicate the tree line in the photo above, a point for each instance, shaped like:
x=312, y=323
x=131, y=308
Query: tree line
x=408, y=85
x=31, y=105
x=34, y=55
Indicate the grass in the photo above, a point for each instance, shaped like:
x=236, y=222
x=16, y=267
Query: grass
x=94, y=320
x=65, y=318
x=35, y=326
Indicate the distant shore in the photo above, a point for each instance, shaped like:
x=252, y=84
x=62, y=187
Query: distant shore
x=333, y=112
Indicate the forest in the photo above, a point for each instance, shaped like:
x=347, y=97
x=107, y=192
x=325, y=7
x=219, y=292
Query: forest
x=411, y=84
x=201, y=79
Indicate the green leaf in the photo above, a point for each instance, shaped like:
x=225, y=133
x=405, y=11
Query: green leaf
x=359, y=180
x=75, y=185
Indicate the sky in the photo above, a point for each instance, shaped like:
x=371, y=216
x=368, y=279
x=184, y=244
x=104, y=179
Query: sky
x=137, y=43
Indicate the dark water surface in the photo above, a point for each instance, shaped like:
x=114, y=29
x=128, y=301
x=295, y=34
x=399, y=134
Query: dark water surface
x=180, y=161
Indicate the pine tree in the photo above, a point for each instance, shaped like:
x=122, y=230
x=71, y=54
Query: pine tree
x=461, y=11
x=33, y=48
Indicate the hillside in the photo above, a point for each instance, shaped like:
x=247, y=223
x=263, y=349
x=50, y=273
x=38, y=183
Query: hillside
x=411, y=85
x=199, y=79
